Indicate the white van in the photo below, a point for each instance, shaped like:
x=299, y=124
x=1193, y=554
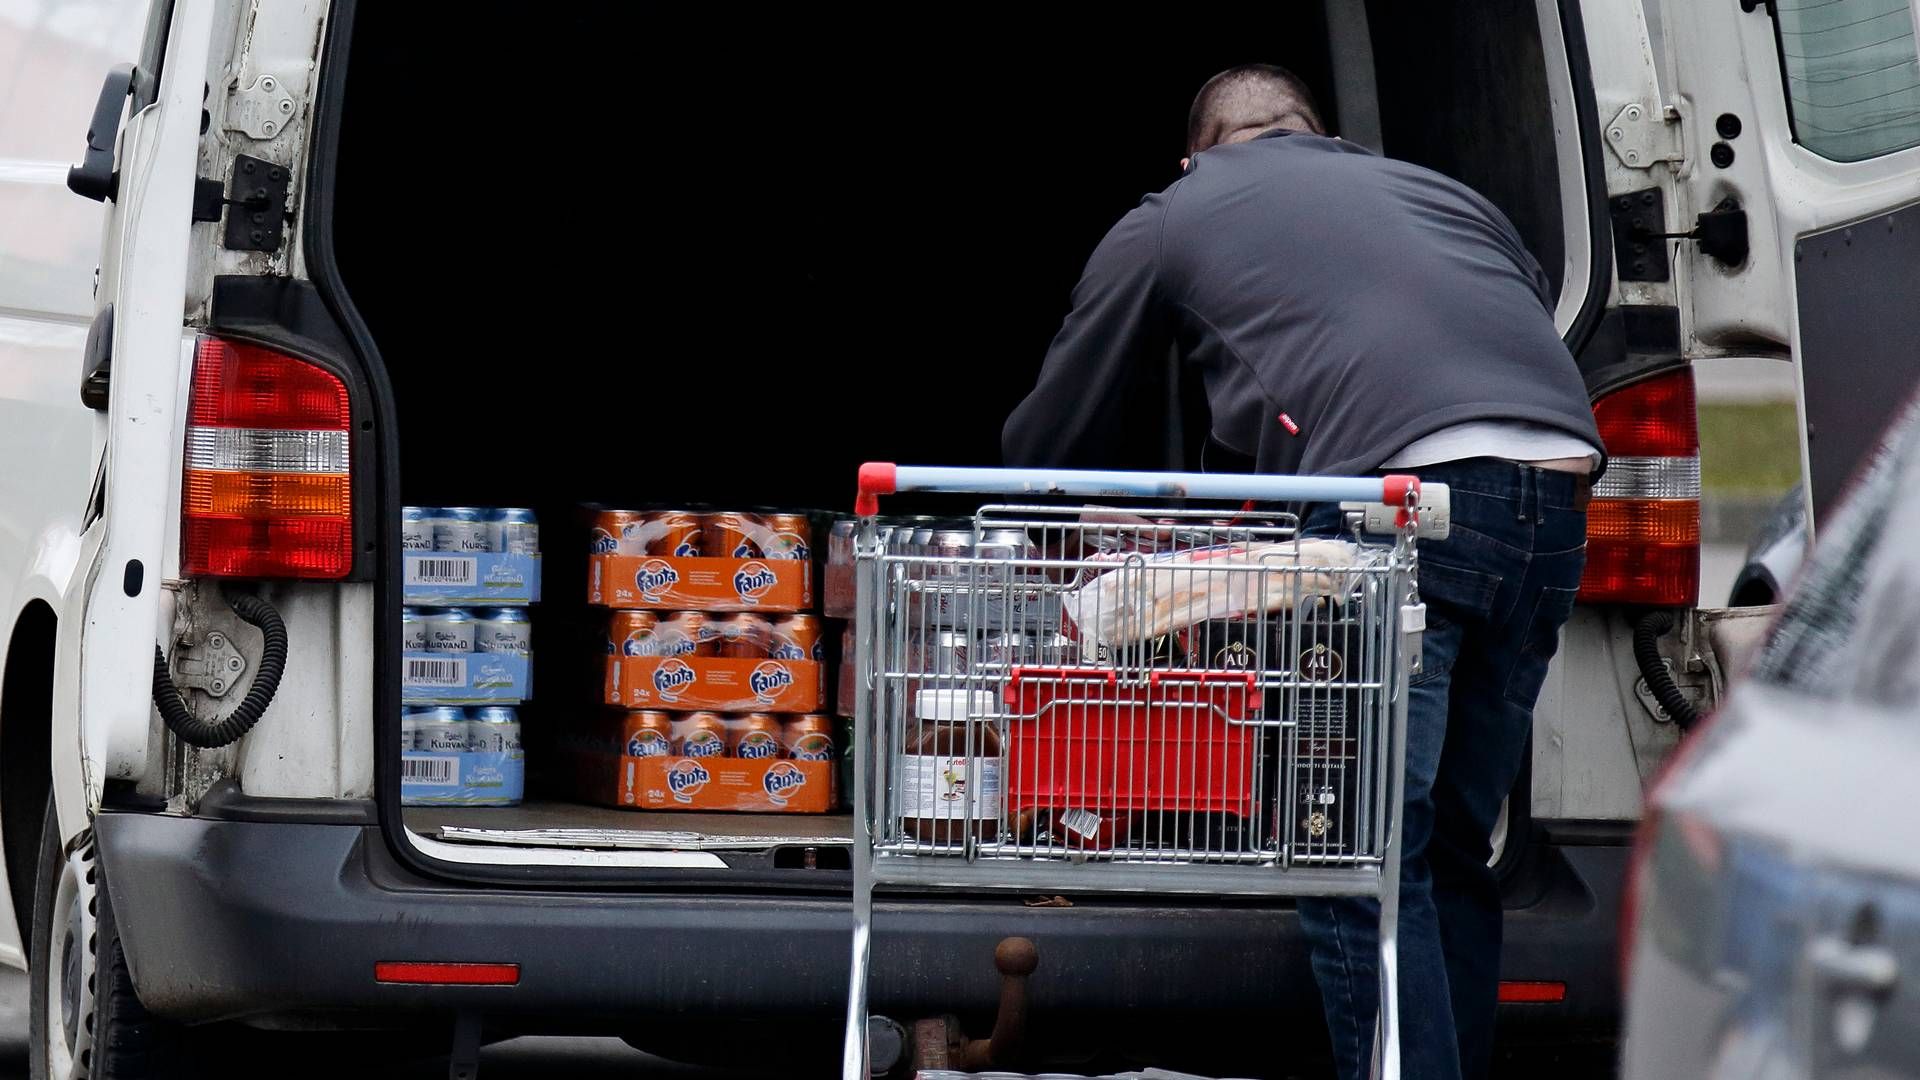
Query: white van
x=544, y=257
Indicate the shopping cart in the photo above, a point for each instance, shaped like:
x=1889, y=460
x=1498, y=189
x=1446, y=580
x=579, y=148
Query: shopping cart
x=1162, y=700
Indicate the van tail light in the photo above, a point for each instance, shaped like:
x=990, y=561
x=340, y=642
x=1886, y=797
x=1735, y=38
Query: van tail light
x=1643, y=525
x=266, y=488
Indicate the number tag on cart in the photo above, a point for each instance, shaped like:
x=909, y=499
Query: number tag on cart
x=1413, y=618
x=1435, y=510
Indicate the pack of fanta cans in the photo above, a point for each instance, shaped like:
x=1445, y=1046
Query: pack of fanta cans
x=687, y=561
x=713, y=665
x=648, y=759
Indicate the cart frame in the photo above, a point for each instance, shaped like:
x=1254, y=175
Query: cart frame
x=880, y=858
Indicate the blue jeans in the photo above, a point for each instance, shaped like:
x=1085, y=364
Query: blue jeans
x=1497, y=591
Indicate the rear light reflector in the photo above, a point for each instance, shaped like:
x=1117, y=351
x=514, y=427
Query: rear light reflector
x=446, y=974
x=1643, y=525
x=267, y=491
x=1532, y=993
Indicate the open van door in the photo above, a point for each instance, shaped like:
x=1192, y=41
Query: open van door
x=113, y=615
x=1794, y=128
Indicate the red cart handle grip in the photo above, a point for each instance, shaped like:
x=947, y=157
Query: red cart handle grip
x=876, y=479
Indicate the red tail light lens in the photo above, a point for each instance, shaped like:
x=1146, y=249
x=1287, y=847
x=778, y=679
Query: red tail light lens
x=267, y=493
x=1643, y=526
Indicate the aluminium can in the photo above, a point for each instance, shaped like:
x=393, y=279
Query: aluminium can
x=410, y=729
x=449, y=630
x=493, y=729
x=616, y=532
x=441, y=729
x=460, y=528
x=513, y=530
x=416, y=527
x=413, y=629
x=790, y=536
x=502, y=630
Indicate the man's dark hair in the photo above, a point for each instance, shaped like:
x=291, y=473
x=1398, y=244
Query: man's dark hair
x=1250, y=96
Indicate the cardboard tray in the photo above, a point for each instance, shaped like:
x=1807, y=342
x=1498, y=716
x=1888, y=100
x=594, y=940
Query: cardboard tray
x=768, y=785
x=482, y=579
x=715, y=683
x=475, y=679
x=672, y=583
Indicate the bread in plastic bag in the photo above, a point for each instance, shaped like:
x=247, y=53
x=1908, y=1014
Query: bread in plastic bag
x=1146, y=596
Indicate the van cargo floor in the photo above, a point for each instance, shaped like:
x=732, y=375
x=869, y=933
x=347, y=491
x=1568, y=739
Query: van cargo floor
x=577, y=825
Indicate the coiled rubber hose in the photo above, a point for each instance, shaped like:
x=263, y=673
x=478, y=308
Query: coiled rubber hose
x=1646, y=653
x=266, y=679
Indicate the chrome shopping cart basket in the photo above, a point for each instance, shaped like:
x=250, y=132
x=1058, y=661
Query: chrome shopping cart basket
x=1139, y=698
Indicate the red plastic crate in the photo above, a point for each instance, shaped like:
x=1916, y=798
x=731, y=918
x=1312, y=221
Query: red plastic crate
x=1077, y=738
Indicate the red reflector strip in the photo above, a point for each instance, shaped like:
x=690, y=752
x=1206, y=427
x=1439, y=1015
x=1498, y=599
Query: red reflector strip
x=1532, y=993
x=440, y=974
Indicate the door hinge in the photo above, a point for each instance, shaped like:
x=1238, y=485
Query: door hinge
x=258, y=218
x=1640, y=135
x=260, y=111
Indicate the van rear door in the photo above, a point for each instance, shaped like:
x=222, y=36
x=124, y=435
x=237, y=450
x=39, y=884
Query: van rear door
x=1804, y=116
x=114, y=618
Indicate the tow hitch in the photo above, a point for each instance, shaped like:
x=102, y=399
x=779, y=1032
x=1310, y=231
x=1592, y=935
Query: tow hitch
x=941, y=1043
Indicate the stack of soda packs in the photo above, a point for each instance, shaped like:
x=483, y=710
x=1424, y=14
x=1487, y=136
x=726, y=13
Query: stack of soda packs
x=467, y=651
x=714, y=666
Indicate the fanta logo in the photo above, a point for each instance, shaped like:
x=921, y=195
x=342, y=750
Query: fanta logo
x=704, y=744
x=757, y=744
x=655, y=577
x=648, y=744
x=782, y=780
x=769, y=679
x=814, y=747
x=687, y=550
x=753, y=580
x=672, y=677
x=601, y=542
x=686, y=778
x=787, y=650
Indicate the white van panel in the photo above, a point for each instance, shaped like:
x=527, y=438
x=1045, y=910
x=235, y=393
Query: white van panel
x=316, y=740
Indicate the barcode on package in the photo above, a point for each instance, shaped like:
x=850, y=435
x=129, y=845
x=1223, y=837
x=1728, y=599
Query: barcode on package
x=434, y=771
x=442, y=571
x=1082, y=823
x=421, y=672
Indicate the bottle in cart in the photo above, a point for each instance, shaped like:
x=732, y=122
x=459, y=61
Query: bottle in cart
x=950, y=782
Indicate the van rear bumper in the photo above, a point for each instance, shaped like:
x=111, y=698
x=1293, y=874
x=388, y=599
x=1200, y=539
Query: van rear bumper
x=283, y=922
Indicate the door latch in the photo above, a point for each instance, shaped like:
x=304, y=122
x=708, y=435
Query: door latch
x=1721, y=233
x=256, y=211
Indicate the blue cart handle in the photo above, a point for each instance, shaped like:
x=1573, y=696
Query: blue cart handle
x=881, y=478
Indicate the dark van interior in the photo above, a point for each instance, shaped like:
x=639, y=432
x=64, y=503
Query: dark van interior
x=724, y=259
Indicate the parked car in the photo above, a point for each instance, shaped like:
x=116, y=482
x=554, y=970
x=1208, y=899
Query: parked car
x=1774, y=917
x=1774, y=554
x=538, y=257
